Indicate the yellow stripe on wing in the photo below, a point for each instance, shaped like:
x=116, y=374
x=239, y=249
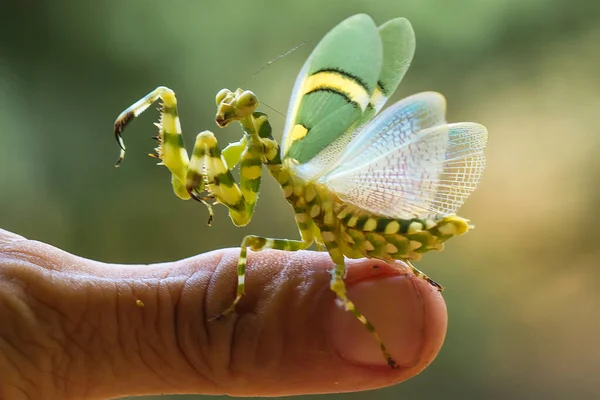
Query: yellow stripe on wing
x=378, y=99
x=298, y=132
x=338, y=82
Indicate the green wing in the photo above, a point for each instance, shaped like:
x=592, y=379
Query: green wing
x=398, y=40
x=316, y=148
x=334, y=87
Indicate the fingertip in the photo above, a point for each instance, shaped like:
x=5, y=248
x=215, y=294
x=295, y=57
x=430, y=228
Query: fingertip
x=407, y=312
x=289, y=337
x=435, y=323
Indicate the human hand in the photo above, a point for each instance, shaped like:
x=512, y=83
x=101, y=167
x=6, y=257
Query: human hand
x=72, y=328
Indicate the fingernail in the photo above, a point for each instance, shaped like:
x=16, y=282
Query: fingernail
x=394, y=306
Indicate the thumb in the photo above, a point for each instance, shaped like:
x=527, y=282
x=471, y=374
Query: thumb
x=118, y=330
x=290, y=336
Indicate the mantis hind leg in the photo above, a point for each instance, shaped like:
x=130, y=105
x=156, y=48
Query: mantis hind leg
x=257, y=243
x=421, y=275
x=339, y=288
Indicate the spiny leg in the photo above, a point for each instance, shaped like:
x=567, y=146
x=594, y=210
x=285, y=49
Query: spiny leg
x=420, y=274
x=257, y=243
x=209, y=173
x=170, y=139
x=339, y=288
x=208, y=176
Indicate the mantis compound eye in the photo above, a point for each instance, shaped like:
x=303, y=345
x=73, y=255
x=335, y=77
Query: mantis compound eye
x=247, y=100
x=222, y=95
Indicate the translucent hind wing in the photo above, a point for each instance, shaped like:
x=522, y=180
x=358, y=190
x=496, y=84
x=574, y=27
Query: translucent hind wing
x=392, y=128
x=433, y=172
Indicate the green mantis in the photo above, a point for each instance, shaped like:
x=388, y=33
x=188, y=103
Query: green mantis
x=381, y=186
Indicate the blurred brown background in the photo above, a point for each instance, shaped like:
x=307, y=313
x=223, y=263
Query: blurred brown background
x=522, y=289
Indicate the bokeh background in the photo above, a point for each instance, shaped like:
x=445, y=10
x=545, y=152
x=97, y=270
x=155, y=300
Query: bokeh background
x=522, y=289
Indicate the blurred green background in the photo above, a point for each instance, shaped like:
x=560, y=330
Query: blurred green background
x=522, y=289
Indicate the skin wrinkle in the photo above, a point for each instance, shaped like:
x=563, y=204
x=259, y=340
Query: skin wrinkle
x=181, y=330
x=286, y=284
x=291, y=309
x=60, y=361
x=326, y=342
x=237, y=368
x=149, y=315
x=134, y=349
x=286, y=317
x=257, y=351
x=70, y=328
x=214, y=294
x=9, y=237
x=156, y=322
x=149, y=364
x=184, y=332
x=145, y=347
x=77, y=344
x=145, y=352
x=119, y=332
x=247, y=335
x=42, y=318
x=131, y=349
x=230, y=368
x=27, y=318
x=240, y=341
x=204, y=318
x=313, y=290
x=293, y=280
x=175, y=293
x=165, y=331
x=6, y=345
x=158, y=363
x=272, y=348
x=175, y=319
x=189, y=332
x=104, y=340
x=23, y=391
x=20, y=254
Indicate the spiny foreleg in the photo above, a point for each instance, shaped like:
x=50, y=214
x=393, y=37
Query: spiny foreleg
x=170, y=148
x=209, y=173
